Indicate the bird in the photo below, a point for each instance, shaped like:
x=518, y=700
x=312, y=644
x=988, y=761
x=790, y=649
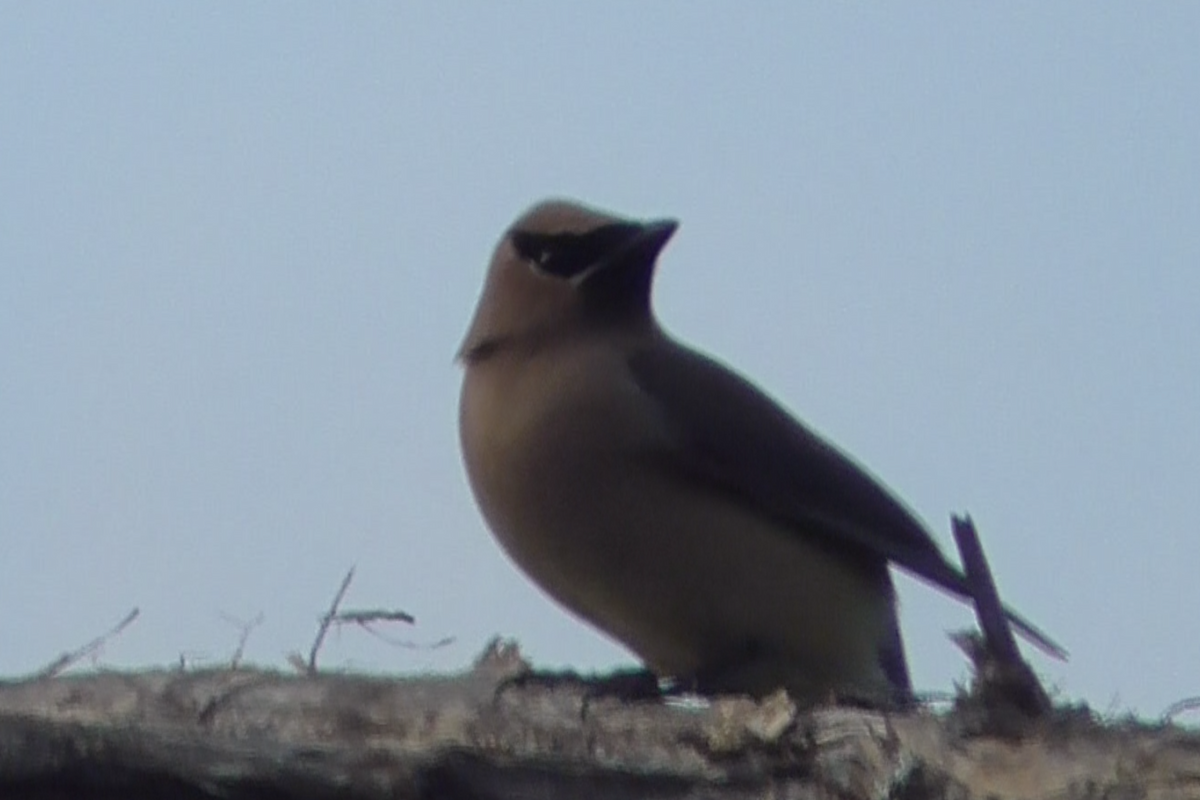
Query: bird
x=662, y=497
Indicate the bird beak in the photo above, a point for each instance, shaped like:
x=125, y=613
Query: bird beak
x=642, y=247
x=654, y=236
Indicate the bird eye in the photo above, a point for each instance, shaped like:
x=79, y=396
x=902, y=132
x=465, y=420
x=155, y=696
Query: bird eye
x=570, y=255
x=533, y=247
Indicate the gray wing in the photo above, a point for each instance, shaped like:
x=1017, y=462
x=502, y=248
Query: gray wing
x=730, y=435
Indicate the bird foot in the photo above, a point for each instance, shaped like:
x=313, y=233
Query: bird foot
x=628, y=685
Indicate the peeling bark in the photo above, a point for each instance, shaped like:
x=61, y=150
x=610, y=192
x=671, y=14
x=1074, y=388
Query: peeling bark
x=249, y=733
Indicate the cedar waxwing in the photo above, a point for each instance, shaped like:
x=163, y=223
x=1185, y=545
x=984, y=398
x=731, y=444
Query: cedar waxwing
x=662, y=497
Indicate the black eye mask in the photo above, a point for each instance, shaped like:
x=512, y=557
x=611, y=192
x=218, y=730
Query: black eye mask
x=570, y=255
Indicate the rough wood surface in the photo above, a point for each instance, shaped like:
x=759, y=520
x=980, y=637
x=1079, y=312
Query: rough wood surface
x=254, y=734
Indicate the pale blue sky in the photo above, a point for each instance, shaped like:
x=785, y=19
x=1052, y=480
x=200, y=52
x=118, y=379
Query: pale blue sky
x=239, y=245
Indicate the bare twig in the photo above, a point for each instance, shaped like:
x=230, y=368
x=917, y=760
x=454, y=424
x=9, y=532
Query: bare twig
x=1002, y=678
x=369, y=619
x=328, y=620
x=366, y=616
x=406, y=644
x=996, y=630
x=245, y=627
x=93, y=647
x=1180, y=707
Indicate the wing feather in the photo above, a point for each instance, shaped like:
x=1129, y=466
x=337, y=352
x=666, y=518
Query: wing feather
x=730, y=435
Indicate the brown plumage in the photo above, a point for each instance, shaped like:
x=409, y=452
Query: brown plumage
x=663, y=498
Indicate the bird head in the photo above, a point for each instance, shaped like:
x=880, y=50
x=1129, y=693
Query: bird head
x=564, y=266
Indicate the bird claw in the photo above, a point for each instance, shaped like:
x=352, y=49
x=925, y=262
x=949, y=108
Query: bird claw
x=630, y=685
